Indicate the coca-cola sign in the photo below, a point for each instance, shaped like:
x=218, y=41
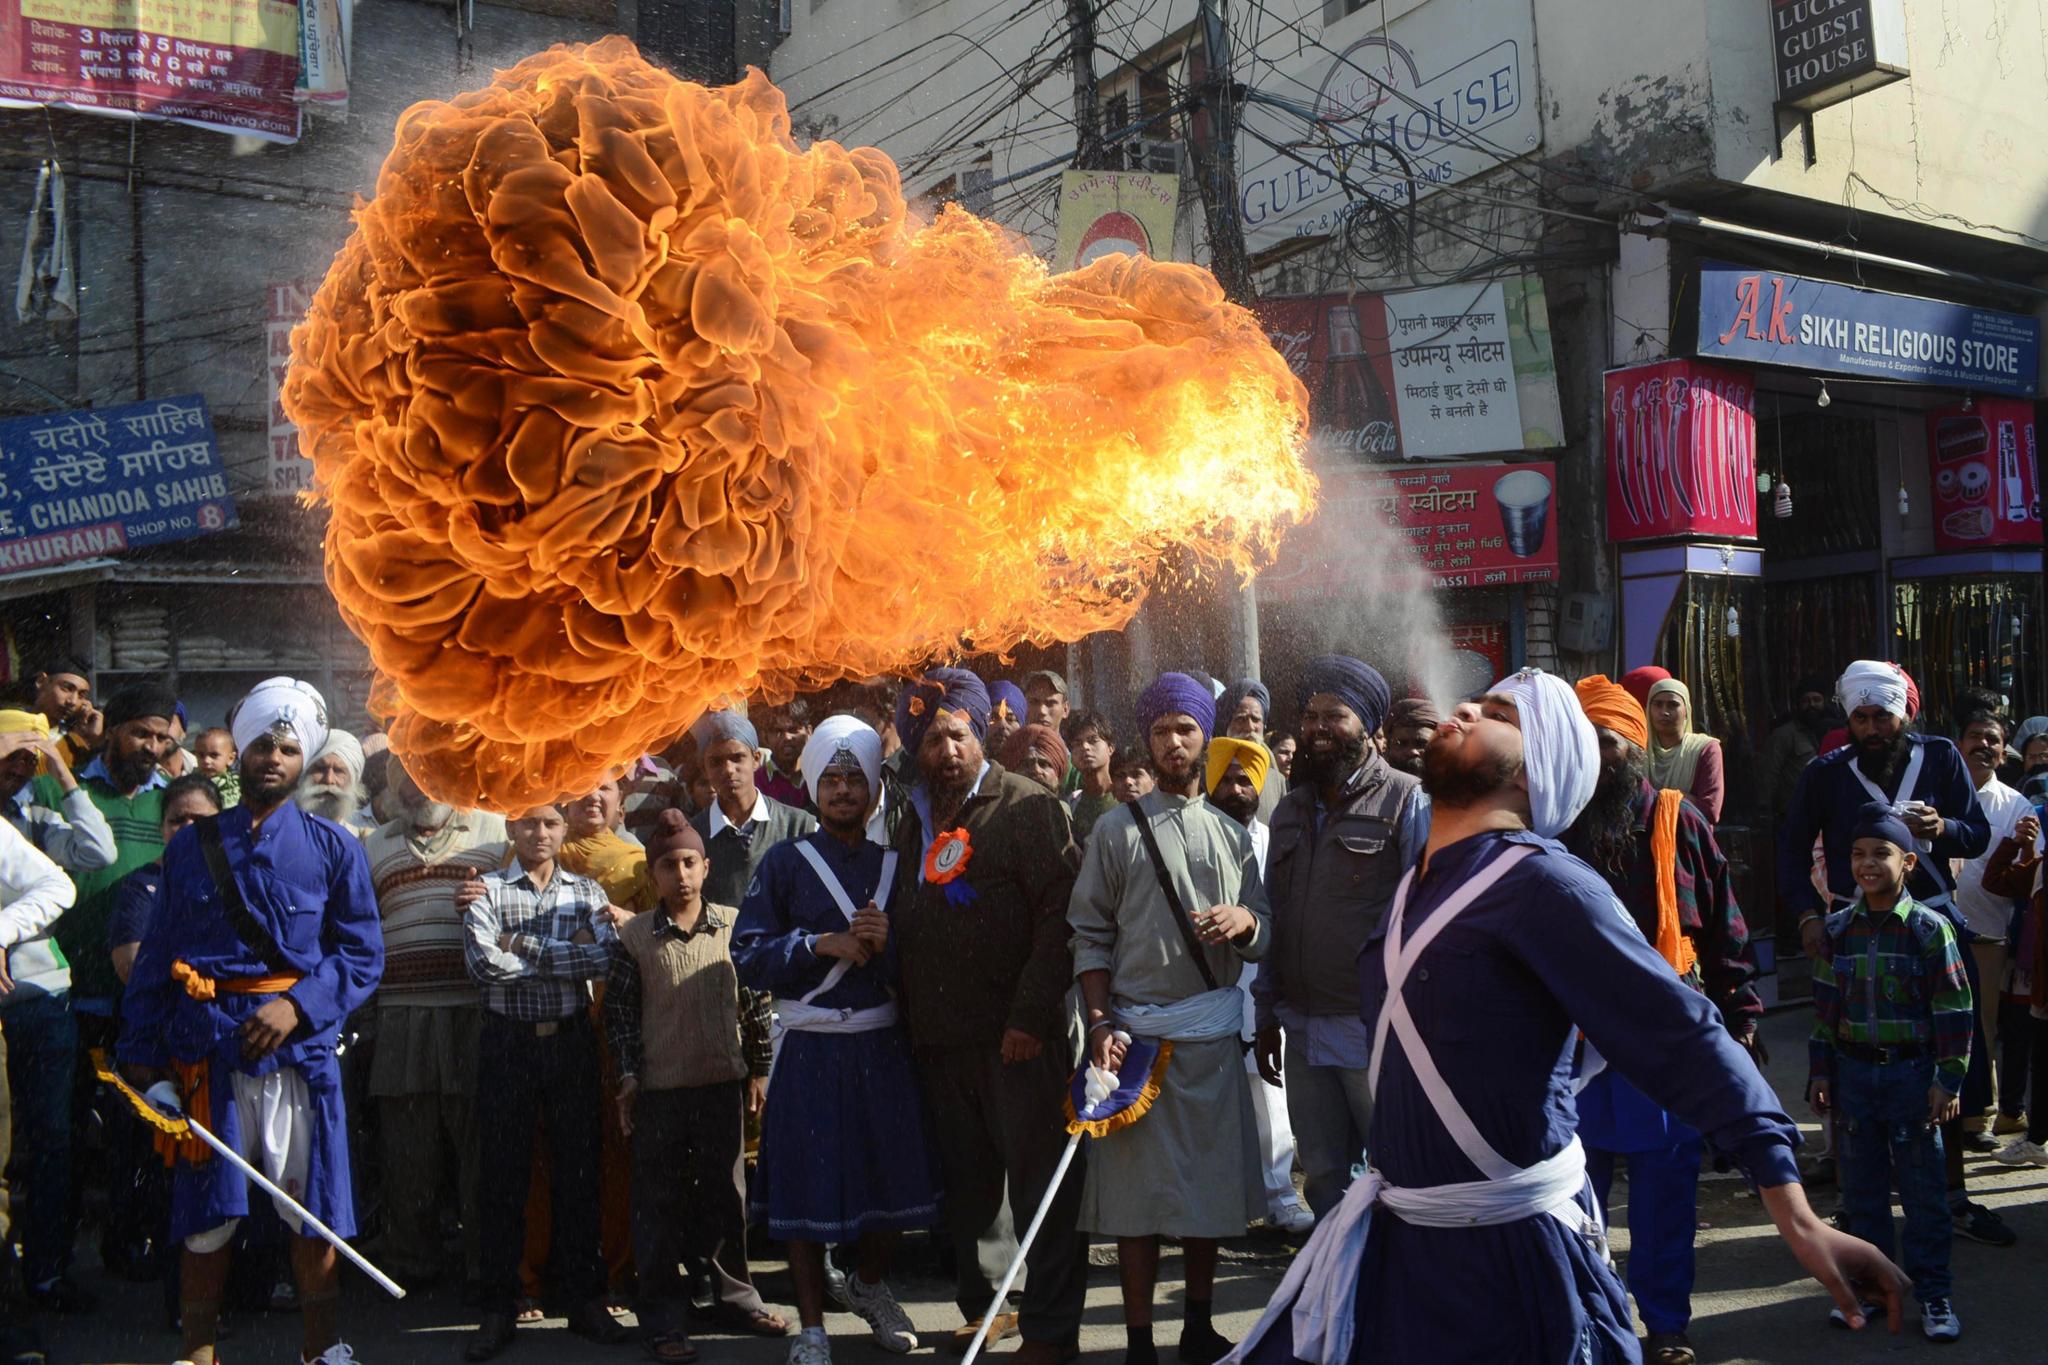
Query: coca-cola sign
x=1423, y=373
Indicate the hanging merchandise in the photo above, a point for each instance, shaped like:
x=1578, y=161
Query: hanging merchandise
x=1953, y=632
x=47, y=290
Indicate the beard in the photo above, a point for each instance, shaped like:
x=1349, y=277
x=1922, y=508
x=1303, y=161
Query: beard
x=1609, y=821
x=1453, y=781
x=1883, y=764
x=332, y=803
x=1238, y=807
x=1328, y=768
x=129, y=773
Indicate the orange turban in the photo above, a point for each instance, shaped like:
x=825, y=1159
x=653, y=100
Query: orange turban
x=1608, y=705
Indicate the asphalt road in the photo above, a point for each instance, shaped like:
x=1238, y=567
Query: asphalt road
x=1751, y=1303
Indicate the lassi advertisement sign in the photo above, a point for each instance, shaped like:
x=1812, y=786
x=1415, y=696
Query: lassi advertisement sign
x=1769, y=318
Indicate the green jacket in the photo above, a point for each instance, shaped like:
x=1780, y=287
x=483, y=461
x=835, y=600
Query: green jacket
x=81, y=933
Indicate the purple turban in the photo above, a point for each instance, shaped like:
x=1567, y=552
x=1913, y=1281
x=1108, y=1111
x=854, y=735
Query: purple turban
x=1352, y=681
x=1001, y=694
x=1176, y=694
x=941, y=689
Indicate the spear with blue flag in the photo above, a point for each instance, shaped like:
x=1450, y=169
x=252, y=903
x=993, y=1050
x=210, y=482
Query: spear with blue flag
x=1098, y=1102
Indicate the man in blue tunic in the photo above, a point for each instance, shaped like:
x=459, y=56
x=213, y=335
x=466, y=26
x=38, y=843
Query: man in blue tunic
x=1926, y=783
x=843, y=1152
x=1473, y=1235
x=265, y=938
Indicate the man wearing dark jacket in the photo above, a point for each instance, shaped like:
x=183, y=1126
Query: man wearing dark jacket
x=988, y=863
x=1342, y=838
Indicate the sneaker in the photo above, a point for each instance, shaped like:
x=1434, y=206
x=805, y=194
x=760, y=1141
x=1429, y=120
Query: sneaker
x=1980, y=1224
x=1981, y=1140
x=1293, y=1218
x=1837, y=1318
x=811, y=1347
x=340, y=1353
x=877, y=1307
x=2020, y=1152
x=1938, y=1320
x=835, y=1285
x=2006, y=1124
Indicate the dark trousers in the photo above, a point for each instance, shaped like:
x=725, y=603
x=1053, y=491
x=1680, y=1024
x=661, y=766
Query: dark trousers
x=998, y=1124
x=689, y=1198
x=42, y=1052
x=1881, y=1118
x=523, y=1080
x=2015, y=1052
x=1663, y=1212
x=2037, y=1112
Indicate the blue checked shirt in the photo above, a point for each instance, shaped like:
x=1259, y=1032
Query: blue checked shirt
x=543, y=976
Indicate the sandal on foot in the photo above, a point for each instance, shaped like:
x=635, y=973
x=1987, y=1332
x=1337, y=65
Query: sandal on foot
x=671, y=1348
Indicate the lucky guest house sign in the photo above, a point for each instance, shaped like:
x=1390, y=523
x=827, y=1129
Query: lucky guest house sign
x=1827, y=51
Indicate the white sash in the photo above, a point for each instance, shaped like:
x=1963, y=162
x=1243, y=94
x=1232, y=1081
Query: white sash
x=1905, y=796
x=1197, y=1019
x=846, y=908
x=1320, y=1291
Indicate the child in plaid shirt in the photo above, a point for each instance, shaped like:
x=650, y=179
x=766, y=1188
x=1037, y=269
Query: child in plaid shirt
x=1890, y=1044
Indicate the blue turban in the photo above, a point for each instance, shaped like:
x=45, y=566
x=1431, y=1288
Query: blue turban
x=1176, y=694
x=1008, y=694
x=1877, y=820
x=717, y=726
x=1352, y=681
x=942, y=689
x=1226, y=705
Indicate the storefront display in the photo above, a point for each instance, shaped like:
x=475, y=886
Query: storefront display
x=1681, y=451
x=1983, y=467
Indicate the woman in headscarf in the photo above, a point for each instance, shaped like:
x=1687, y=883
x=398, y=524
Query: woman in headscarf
x=1681, y=760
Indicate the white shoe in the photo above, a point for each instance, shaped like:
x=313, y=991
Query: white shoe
x=1291, y=1217
x=2020, y=1152
x=1938, y=1320
x=340, y=1353
x=811, y=1347
x=877, y=1307
x=1837, y=1318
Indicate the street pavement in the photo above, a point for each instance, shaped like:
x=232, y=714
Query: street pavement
x=1752, y=1304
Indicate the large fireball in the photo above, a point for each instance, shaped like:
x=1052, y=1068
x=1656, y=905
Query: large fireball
x=626, y=405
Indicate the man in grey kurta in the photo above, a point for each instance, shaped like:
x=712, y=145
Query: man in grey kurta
x=1189, y=1168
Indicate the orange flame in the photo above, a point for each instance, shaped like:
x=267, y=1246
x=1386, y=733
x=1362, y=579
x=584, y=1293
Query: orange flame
x=627, y=405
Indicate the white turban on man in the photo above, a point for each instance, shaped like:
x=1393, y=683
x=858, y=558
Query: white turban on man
x=837, y=741
x=1560, y=748
x=345, y=746
x=1873, y=682
x=279, y=706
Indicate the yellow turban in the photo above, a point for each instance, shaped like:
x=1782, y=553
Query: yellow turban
x=1256, y=758
x=1611, y=707
x=35, y=722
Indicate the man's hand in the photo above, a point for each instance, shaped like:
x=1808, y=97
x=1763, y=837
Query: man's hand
x=1924, y=820
x=844, y=944
x=1019, y=1046
x=583, y=937
x=470, y=892
x=1941, y=1106
x=757, y=1095
x=1107, y=1049
x=1813, y=938
x=1817, y=1094
x=6, y=981
x=139, y=1077
x=265, y=1031
x=629, y=1086
x=90, y=725
x=1222, y=923
x=871, y=927
x=1849, y=1268
x=616, y=916
x=1752, y=1040
x=2027, y=833
x=1266, y=1049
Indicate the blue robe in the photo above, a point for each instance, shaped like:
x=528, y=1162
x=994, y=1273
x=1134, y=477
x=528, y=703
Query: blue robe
x=1495, y=999
x=307, y=880
x=844, y=1147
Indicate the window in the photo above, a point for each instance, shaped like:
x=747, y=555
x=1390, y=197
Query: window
x=1147, y=93
x=1333, y=10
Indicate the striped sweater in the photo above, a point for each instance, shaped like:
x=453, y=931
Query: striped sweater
x=137, y=822
x=416, y=880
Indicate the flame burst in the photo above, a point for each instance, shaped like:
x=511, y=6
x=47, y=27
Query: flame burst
x=625, y=404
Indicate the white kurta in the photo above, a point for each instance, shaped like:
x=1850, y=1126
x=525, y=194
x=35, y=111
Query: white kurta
x=1191, y=1166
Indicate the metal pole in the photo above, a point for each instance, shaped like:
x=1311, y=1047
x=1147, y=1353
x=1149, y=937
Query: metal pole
x=1052, y=1188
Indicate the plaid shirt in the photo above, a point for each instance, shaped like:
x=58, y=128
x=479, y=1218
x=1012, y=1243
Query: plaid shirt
x=1892, y=979
x=542, y=976
x=622, y=1003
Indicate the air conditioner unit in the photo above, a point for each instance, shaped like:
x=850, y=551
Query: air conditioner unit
x=1587, y=625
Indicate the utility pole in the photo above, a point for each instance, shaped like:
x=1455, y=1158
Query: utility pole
x=1216, y=165
x=1089, y=153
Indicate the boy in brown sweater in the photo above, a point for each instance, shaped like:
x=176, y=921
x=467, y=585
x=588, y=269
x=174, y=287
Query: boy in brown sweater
x=693, y=1053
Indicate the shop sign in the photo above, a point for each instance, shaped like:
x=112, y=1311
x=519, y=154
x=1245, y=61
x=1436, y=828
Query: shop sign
x=228, y=65
x=1986, y=479
x=1448, y=526
x=1776, y=319
x=286, y=471
x=1827, y=51
x=1480, y=650
x=1385, y=111
x=1102, y=212
x=76, y=485
x=1680, y=451
x=1462, y=369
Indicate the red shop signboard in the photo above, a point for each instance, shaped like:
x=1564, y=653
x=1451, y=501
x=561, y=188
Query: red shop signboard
x=1680, y=452
x=1986, y=481
x=1449, y=526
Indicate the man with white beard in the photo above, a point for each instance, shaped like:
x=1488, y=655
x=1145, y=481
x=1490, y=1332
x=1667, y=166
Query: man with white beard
x=423, y=1073
x=333, y=784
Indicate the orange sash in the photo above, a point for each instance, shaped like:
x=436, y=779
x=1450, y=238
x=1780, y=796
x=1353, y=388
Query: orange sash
x=195, y=1079
x=1672, y=944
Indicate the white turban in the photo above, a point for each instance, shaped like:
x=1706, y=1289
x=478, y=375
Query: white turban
x=1873, y=682
x=345, y=746
x=1560, y=748
x=281, y=704
x=842, y=735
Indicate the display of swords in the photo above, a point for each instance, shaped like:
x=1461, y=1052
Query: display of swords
x=1681, y=447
